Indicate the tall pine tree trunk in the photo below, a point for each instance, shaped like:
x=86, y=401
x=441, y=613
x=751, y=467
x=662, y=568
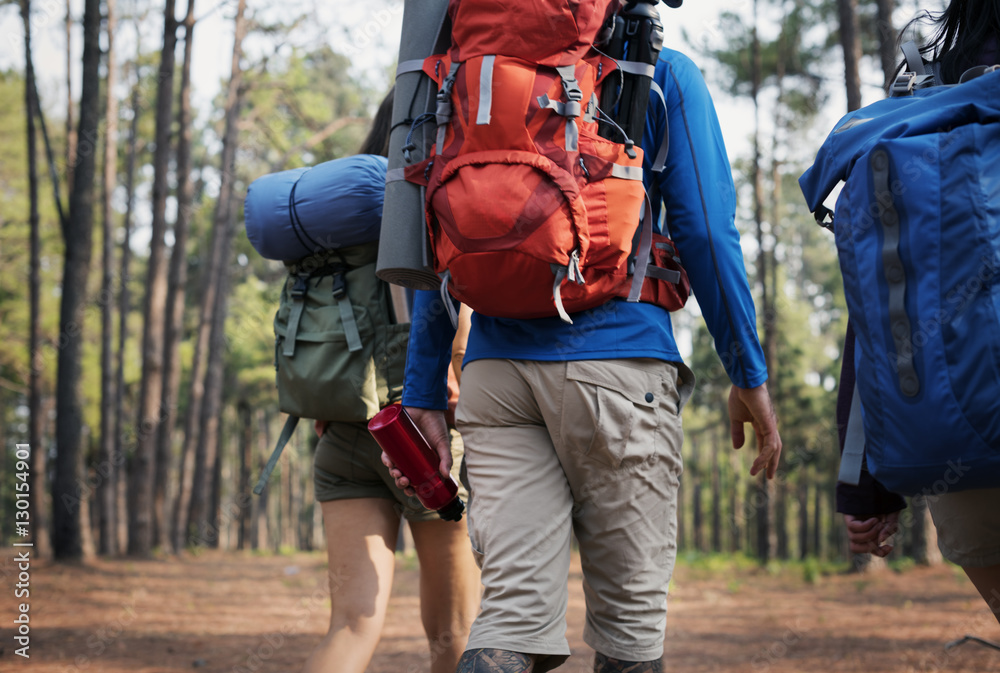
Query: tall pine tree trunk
x=142, y=471
x=214, y=312
x=118, y=475
x=245, y=416
x=71, y=134
x=78, y=235
x=850, y=42
x=38, y=513
x=107, y=510
x=764, y=498
x=176, y=283
x=886, y=38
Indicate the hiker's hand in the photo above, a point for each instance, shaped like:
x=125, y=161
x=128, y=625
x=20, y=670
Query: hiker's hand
x=870, y=535
x=753, y=405
x=432, y=425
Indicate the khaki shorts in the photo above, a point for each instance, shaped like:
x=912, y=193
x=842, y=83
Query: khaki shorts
x=968, y=526
x=348, y=464
x=591, y=448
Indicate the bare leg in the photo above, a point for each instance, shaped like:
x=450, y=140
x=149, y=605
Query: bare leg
x=449, y=588
x=361, y=542
x=987, y=581
x=605, y=664
x=494, y=661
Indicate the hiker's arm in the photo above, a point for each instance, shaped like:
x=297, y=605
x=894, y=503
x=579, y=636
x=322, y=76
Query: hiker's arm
x=753, y=405
x=700, y=199
x=425, y=382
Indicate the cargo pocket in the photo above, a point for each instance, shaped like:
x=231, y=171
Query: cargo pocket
x=611, y=411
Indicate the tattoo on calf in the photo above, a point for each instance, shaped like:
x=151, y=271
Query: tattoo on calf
x=605, y=664
x=494, y=661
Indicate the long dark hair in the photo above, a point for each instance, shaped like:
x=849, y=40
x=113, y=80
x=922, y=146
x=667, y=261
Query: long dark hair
x=377, y=141
x=966, y=31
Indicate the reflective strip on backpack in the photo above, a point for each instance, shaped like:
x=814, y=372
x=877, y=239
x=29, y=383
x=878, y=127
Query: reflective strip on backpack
x=895, y=275
x=854, y=444
x=485, y=90
x=661, y=155
x=395, y=175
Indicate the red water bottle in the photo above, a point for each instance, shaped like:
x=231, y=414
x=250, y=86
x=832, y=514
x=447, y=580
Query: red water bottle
x=399, y=437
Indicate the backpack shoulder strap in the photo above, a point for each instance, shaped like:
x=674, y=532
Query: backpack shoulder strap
x=914, y=61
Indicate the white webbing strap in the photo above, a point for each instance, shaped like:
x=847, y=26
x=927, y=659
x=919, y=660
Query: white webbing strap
x=412, y=65
x=854, y=444
x=449, y=306
x=642, y=254
x=557, y=294
x=636, y=68
x=485, y=90
x=626, y=172
x=661, y=154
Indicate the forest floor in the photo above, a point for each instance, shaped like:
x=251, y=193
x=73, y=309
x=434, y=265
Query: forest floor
x=228, y=612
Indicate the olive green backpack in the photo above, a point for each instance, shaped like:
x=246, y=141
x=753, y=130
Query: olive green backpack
x=339, y=351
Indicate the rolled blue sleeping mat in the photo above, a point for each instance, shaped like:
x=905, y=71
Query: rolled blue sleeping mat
x=296, y=213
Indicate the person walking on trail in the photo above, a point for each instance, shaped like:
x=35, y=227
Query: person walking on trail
x=967, y=34
x=362, y=511
x=575, y=429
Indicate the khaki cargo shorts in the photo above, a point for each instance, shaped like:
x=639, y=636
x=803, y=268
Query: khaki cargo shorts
x=556, y=449
x=968, y=526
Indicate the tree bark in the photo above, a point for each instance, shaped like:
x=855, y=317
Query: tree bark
x=107, y=511
x=243, y=478
x=142, y=472
x=70, y=128
x=78, y=235
x=118, y=475
x=215, y=306
x=694, y=470
x=764, y=498
x=38, y=513
x=886, y=38
x=176, y=284
x=848, y=14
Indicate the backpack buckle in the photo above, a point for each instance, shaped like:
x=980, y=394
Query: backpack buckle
x=301, y=286
x=339, y=286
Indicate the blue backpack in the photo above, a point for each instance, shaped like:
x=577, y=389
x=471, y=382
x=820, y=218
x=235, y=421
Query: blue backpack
x=917, y=228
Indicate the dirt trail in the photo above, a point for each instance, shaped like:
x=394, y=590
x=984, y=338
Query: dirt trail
x=225, y=613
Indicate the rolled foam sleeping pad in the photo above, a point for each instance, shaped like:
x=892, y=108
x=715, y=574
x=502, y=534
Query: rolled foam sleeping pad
x=403, y=257
x=296, y=213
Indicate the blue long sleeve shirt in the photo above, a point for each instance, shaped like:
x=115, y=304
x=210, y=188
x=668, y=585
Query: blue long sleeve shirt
x=696, y=188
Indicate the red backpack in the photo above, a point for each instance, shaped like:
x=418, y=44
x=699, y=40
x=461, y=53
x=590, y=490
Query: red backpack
x=530, y=212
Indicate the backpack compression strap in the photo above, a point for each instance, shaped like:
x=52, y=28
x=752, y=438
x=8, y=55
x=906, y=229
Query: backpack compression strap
x=286, y=434
x=299, y=291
